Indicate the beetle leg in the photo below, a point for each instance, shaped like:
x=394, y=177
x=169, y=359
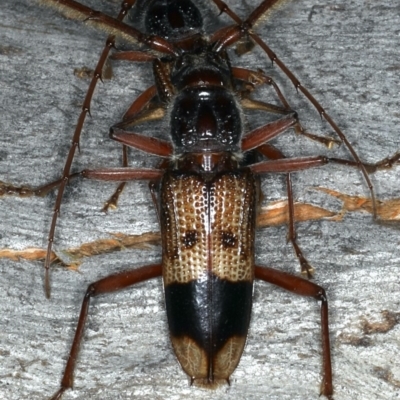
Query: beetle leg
x=297, y=164
x=137, y=113
x=266, y=132
x=113, y=199
x=280, y=166
x=148, y=144
x=386, y=163
x=274, y=154
x=140, y=103
x=304, y=287
x=109, y=284
x=288, y=164
x=258, y=78
x=306, y=268
x=25, y=191
x=135, y=56
x=122, y=174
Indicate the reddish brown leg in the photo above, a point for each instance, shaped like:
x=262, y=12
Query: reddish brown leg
x=113, y=200
x=386, y=163
x=264, y=133
x=25, y=191
x=274, y=154
x=147, y=144
x=140, y=103
x=257, y=139
x=306, y=268
x=288, y=165
x=231, y=35
x=135, y=56
x=257, y=78
x=303, y=287
x=109, y=284
x=122, y=174
x=110, y=174
x=298, y=164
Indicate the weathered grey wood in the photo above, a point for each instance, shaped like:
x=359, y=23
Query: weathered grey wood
x=346, y=53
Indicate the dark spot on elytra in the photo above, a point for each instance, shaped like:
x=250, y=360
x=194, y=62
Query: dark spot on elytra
x=228, y=239
x=189, y=239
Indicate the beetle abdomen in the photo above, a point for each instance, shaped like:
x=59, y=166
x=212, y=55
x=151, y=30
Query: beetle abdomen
x=208, y=230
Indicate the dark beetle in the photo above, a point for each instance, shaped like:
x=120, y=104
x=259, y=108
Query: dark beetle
x=208, y=192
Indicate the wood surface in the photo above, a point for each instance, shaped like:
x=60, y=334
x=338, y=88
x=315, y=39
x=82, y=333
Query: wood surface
x=347, y=54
